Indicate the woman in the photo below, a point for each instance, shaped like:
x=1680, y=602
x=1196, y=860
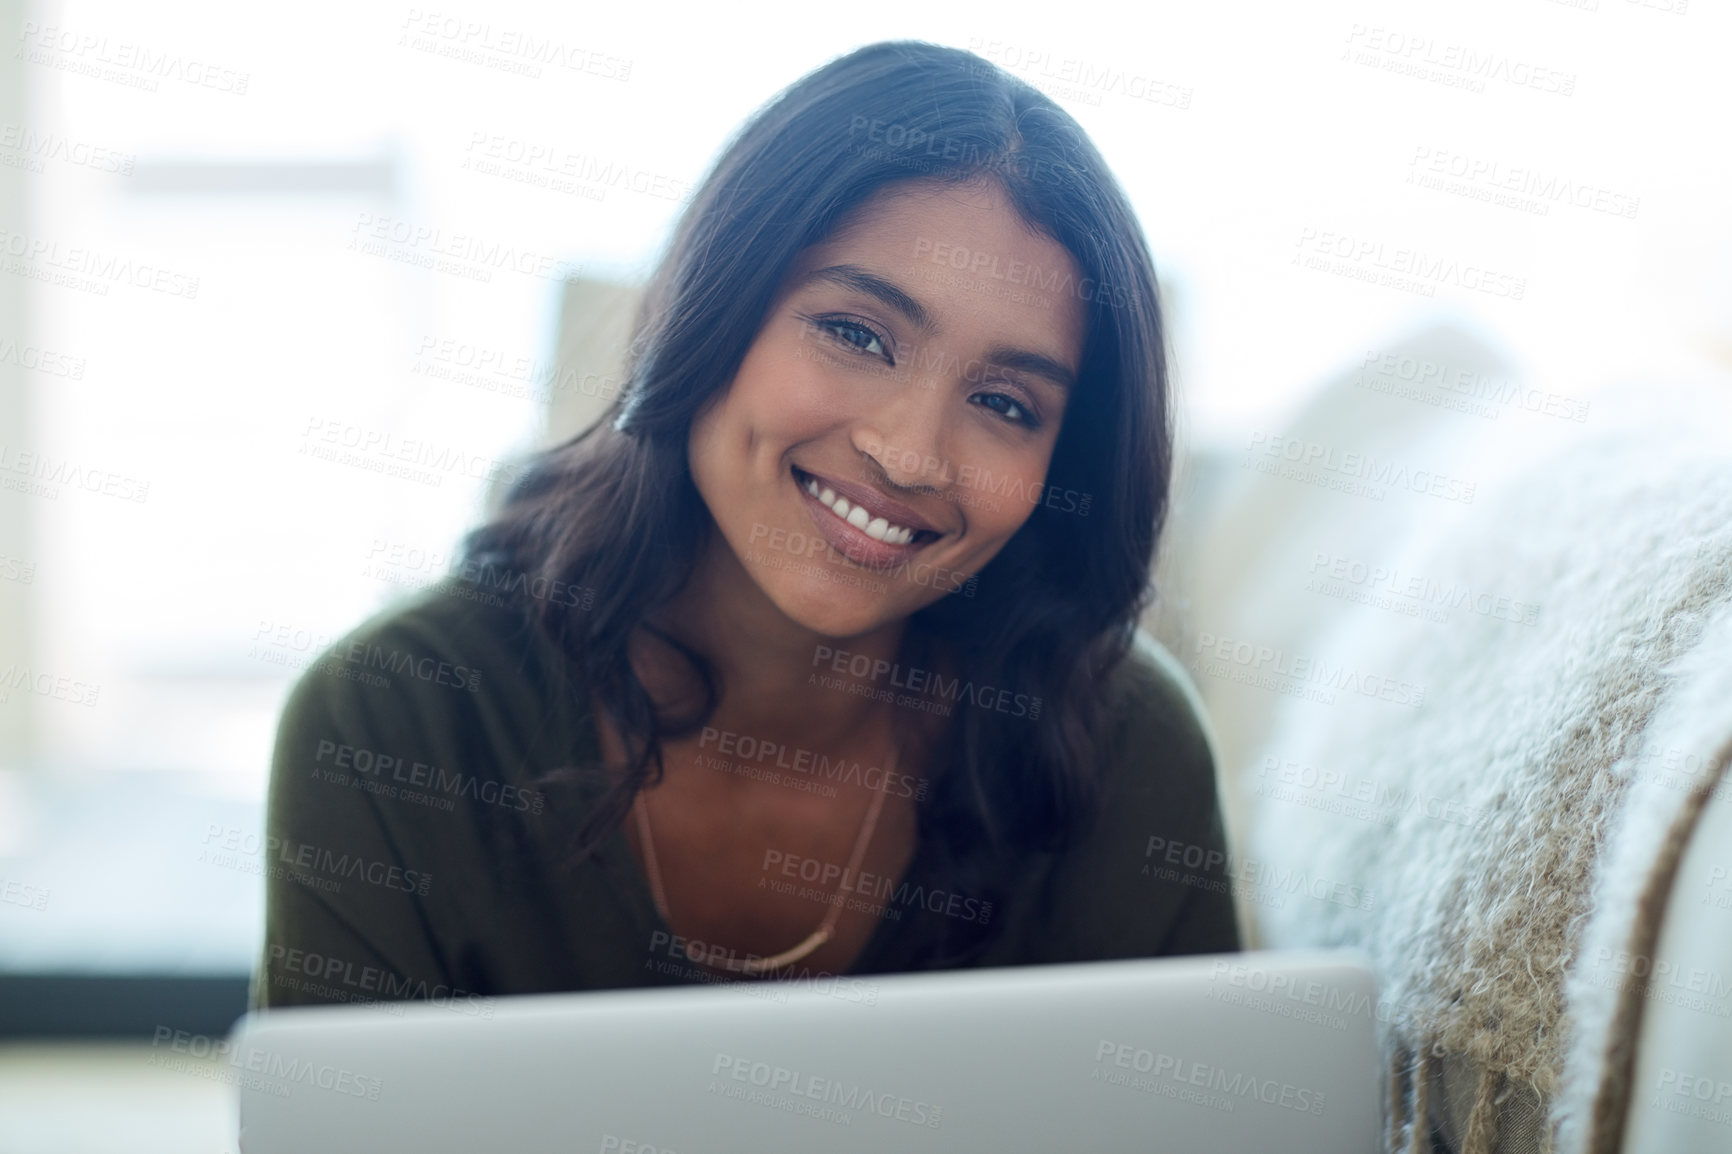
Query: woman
x=817, y=655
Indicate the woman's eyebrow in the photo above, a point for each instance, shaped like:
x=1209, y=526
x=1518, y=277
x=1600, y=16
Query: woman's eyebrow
x=1037, y=364
x=852, y=276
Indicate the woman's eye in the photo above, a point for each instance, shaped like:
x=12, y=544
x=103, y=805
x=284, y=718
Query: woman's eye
x=858, y=337
x=1012, y=409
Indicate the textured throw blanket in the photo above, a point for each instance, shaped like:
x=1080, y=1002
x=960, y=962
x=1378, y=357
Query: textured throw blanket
x=1681, y=770
x=1479, y=819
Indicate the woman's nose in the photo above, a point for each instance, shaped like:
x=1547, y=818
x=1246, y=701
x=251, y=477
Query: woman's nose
x=906, y=436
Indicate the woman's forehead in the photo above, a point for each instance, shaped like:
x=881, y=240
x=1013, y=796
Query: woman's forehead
x=926, y=206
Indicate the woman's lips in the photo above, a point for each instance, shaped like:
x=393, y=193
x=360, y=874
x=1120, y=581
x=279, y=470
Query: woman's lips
x=874, y=503
x=851, y=541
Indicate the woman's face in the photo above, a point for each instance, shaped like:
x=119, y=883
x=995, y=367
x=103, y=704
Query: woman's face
x=914, y=367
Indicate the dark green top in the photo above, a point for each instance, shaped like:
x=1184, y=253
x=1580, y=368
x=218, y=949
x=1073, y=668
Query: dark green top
x=410, y=854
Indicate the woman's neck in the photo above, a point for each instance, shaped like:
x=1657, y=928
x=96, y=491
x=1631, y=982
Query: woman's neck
x=776, y=674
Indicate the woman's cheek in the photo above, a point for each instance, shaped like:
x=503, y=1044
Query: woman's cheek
x=1003, y=489
x=809, y=392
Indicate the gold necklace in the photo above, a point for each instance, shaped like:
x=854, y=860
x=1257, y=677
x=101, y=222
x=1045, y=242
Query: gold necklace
x=826, y=929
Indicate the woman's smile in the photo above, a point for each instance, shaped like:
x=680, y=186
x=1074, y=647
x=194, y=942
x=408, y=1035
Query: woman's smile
x=860, y=523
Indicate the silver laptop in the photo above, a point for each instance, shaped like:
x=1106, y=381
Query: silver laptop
x=1230, y=1052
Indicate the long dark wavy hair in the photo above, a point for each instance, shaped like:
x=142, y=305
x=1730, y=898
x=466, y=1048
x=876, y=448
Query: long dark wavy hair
x=615, y=510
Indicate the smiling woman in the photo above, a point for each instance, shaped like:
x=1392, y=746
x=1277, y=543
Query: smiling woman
x=861, y=551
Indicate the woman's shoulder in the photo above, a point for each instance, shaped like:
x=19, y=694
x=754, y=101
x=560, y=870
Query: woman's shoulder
x=1155, y=706
x=407, y=791
x=1109, y=893
x=1159, y=788
x=457, y=662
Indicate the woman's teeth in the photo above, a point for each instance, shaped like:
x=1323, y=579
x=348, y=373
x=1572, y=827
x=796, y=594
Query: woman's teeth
x=876, y=528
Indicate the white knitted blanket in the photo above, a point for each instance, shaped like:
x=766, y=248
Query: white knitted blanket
x=1477, y=819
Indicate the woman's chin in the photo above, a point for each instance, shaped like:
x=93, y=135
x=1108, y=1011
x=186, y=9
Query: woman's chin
x=838, y=611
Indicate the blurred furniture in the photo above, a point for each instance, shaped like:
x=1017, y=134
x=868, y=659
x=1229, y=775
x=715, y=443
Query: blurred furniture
x=595, y=327
x=1463, y=638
